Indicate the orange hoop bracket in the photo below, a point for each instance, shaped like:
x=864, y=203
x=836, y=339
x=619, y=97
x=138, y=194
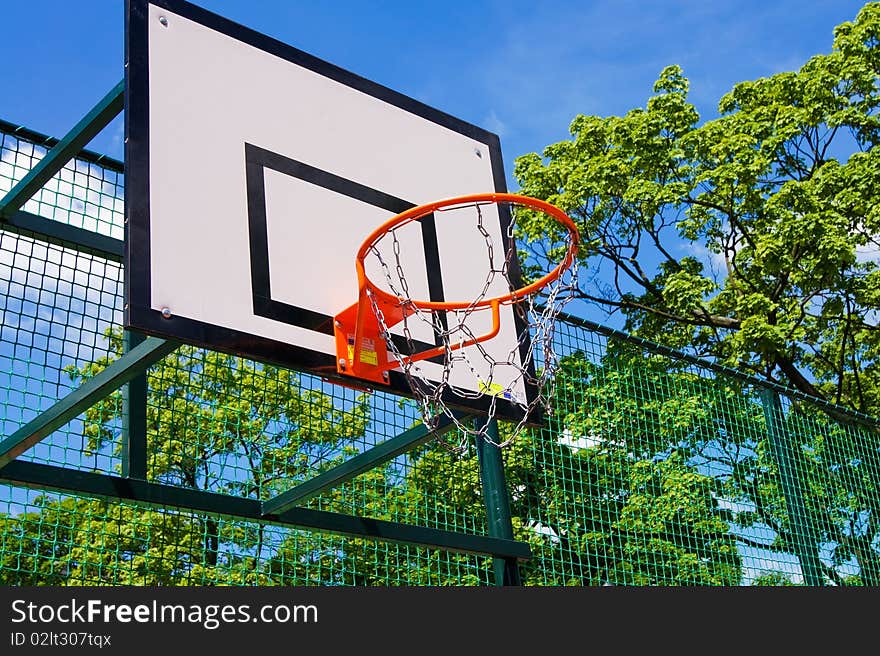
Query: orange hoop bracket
x=360, y=346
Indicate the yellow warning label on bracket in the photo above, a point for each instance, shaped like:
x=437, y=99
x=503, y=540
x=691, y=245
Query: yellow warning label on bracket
x=368, y=350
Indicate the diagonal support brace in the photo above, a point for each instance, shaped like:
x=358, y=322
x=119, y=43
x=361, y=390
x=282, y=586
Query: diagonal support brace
x=75, y=140
x=121, y=371
x=387, y=450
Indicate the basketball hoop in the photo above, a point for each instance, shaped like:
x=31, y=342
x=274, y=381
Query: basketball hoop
x=459, y=367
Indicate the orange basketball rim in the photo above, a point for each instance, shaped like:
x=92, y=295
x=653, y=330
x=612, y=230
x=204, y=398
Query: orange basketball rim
x=360, y=344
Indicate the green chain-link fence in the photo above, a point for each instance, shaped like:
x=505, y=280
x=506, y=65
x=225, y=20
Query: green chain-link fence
x=656, y=469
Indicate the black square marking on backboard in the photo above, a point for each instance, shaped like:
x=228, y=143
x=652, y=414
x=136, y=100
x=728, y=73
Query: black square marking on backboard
x=257, y=160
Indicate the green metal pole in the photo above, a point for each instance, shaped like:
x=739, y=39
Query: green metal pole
x=497, y=503
x=791, y=480
x=81, y=134
x=134, y=418
x=65, y=235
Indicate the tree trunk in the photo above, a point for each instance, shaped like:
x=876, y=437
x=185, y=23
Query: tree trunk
x=212, y=541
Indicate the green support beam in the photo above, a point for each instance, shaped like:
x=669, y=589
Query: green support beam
x=63, y=234
x=381, y=453
x=134, y=417
x=497, y=502
x=114, y=376
x=81, y=134
x=115, y=488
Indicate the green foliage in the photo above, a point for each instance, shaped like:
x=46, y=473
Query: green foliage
x=214, y=422
x=750, y=238
x=208, y=412
x=648, y=474
x=629, y=509
x=624, y=508
x=701, y=446
x=774, y=579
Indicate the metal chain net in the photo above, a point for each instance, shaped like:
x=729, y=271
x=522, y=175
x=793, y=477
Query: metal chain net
x=532, y=361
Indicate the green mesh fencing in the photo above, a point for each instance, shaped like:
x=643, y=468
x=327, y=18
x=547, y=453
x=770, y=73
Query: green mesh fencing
x=655, y=469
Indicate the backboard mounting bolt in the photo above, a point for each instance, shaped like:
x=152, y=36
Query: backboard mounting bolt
x=166, y=313
x=163, y=21
x=337, y=323
x=385, y=376
x=342, y=363
x=478, y=153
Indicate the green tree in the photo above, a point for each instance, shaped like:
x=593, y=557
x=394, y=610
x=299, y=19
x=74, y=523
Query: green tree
x=624, y=505
x=214, y=422
x=656, y=407
x=34, y=546
x=750, y=238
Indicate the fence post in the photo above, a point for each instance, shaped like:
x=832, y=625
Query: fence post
x=134, y=418
x=791, y=480
x=497, y=503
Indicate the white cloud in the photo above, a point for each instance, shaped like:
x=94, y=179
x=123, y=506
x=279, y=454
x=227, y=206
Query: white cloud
x=580, y=442
x=494, y=124
x=58, y=294
x=81, y=194
x=714, y=262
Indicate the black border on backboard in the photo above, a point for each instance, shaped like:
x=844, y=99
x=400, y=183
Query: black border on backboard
x=257, y=160
x=138, y=313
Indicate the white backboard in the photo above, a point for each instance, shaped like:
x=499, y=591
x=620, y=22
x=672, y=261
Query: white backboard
x=255, y=171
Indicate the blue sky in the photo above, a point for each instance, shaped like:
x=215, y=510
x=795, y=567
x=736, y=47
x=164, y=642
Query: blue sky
x=520, y=69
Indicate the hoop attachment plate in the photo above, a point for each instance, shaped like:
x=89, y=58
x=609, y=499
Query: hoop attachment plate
x=369, y=361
